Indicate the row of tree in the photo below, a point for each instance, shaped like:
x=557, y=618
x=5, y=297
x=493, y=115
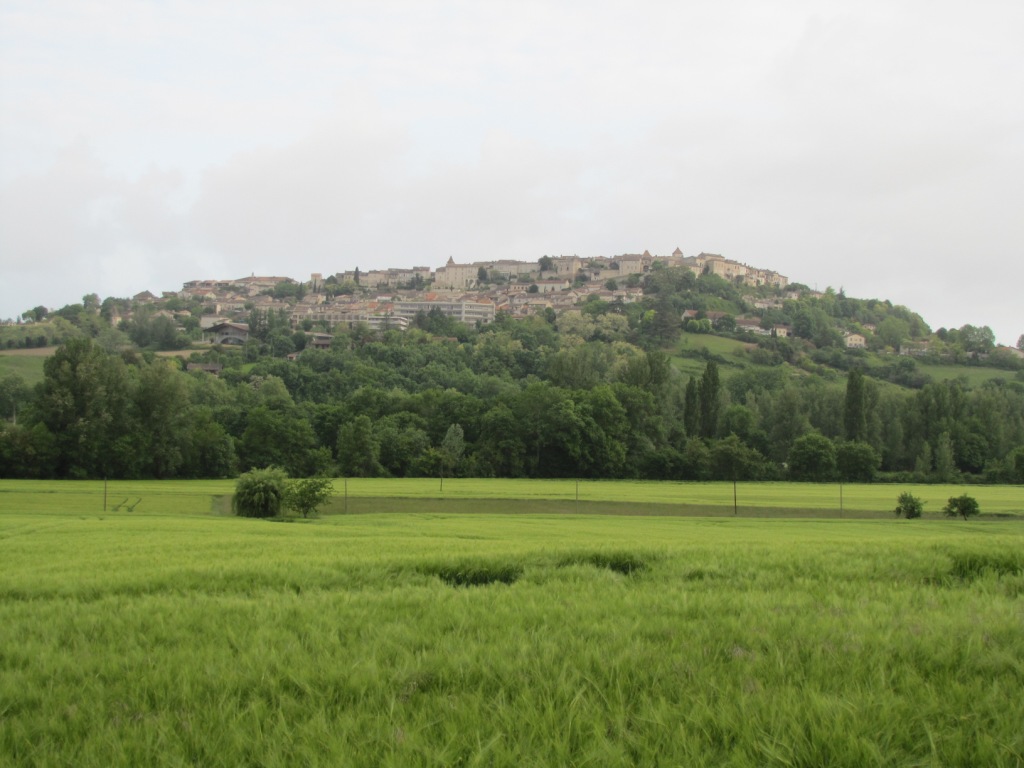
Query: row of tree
x=520, y=398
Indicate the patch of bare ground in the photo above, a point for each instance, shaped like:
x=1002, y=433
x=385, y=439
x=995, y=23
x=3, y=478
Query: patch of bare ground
x=31, y=352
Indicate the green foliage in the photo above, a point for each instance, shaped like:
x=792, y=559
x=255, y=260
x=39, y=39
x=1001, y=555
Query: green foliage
x=908, y=506
x=157, y=332
x=307, y=495
x=692, y=408
x=14, y=394
x=453, y=447
x=260, y=493
x=358, y=449
x=857, y=462
x=709, y=396
x=589, y=393
x=1015, y=466
x=85, y=404
x=961, y=506
x=812, y=458
x=855, y=409
x=731, y=459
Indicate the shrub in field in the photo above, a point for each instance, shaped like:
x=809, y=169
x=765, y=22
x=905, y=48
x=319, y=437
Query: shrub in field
x=308, y=494
x=259, y=493
x=908, y=506
x=965, y=506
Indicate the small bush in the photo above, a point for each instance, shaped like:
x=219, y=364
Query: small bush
x=259, y=493
x=307, y=495
x=908, y=506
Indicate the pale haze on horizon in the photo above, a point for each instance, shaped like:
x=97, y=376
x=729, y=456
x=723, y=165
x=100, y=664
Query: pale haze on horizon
x=876, y=147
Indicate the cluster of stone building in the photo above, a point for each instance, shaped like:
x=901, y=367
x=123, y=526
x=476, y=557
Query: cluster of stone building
x=599, y=269
x=473, y=293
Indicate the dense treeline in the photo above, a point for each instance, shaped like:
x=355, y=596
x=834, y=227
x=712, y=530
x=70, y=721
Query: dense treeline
x=573, y=396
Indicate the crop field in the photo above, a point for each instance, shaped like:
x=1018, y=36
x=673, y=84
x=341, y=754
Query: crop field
x=176, y=635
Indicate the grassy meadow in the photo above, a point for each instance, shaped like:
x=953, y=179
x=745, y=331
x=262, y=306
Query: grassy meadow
x=176, y=635
x=27, y=363
x=975, y=376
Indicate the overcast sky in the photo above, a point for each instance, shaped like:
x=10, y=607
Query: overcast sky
x=876, y=146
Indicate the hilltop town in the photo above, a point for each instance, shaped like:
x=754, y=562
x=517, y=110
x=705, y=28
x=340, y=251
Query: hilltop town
x=761, y=303
x=473, y=292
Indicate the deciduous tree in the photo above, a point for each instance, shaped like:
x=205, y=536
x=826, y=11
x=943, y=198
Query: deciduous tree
x=358, y=449
x=908, y=506
x=812, y=457
x=453, y=446
x=963, y=506
x=857, y=462
x=308, y=494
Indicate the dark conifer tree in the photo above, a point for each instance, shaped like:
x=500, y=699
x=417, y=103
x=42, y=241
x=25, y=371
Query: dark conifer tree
x=710, y=400
x=855, y=411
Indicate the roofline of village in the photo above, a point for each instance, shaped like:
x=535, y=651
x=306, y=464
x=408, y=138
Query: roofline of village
x=393, y=296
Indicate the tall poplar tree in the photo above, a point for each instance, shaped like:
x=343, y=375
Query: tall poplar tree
x=709, y=393
x=855, y=410
x=691, y=417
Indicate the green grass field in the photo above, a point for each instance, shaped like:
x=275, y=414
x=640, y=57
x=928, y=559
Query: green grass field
x=176, y=635
x=28, y=367
x=975, y=376
x=733, y=351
